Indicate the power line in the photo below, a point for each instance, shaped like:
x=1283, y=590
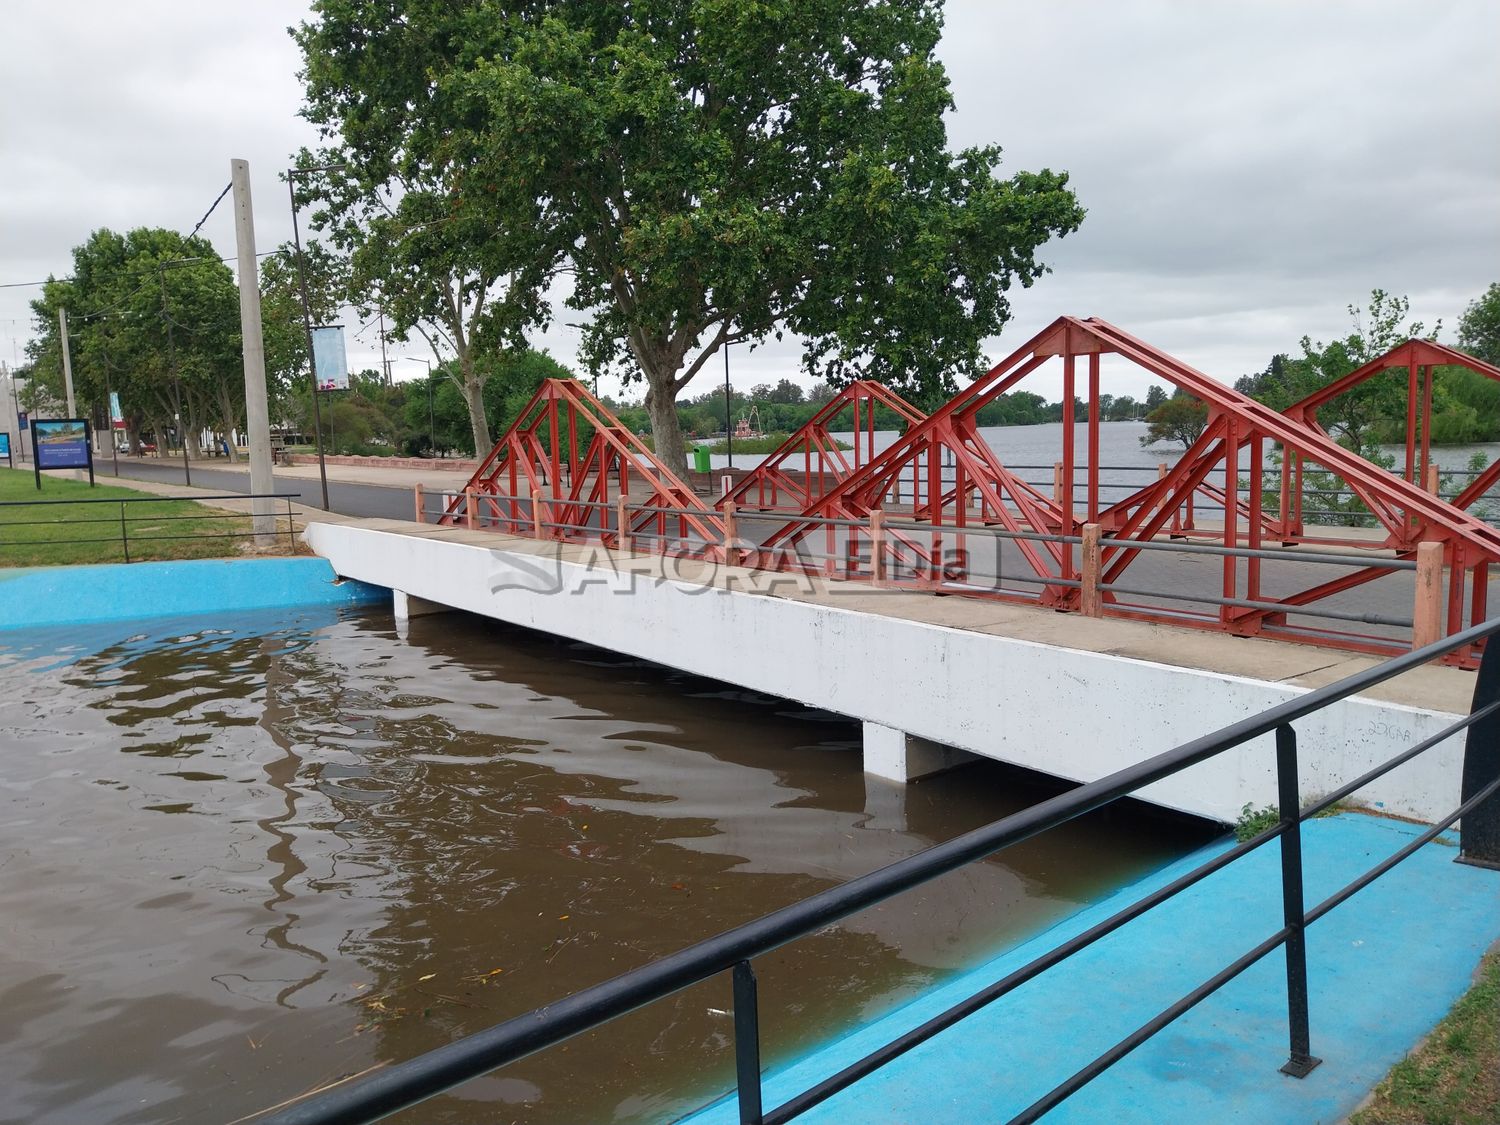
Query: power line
x=210, y=210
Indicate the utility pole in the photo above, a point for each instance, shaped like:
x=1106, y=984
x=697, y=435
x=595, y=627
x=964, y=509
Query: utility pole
x=385, y=364
x=253, y=348
x=67, y=358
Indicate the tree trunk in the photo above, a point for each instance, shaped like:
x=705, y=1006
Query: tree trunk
x=666, y=430
x=473, y=392
x=226, y=405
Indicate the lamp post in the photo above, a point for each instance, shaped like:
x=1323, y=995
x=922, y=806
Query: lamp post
x=431, y=426
x=312, y=367
x=728, y=410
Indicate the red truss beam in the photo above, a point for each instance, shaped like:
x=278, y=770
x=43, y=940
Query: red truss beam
x=541, y=454
x=1420, y=360
x=800, y=470
x=943, y=473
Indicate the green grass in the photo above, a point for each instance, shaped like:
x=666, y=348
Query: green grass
x=1454, y=1077
x=38, y=535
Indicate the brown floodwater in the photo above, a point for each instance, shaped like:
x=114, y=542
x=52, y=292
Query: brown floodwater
x=240, y=861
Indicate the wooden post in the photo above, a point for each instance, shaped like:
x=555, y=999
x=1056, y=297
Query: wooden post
x=1427, y=614
x=1057, y=485
x=417, y=492
x=877, y=547
x=731, y=533
x=536, y=514
x=471, y=507
x=1091, y=599
x=1433, y=482
x=622, y=524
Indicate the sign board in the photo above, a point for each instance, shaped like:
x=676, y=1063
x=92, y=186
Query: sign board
x=330, y=366
x=116, y=416
x=61, y=443
x=5, y=449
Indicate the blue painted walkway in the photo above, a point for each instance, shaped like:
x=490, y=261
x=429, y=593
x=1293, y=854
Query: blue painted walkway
x=1384, y=968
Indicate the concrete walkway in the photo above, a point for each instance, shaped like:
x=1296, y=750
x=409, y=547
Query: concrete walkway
x=1383, y=969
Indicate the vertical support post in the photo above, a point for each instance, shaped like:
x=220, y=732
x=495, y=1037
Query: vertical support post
x=67, y=361
x=1057, y=487
x=1231, y=514
x=471, y=508
x=536, y=513
x=1427, y=612
x=622, y=524
x=1301, y=1061
x=1434, y=481
x=747, y=1044
x=877, y=547
x=1257, y=503
x=731, y=533
x=124, y=534
x=1094, y=421
x=253, y=356
x=1091, y=598
x=417, y=499
x=1069, y=414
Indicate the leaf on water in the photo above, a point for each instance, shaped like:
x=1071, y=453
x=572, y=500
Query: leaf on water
x=563, y=917
x=429, y=976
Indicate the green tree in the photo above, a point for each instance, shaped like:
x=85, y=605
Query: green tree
x=714, y=172
x=1180, y=418
x=1479, y=327
x=1155, y=396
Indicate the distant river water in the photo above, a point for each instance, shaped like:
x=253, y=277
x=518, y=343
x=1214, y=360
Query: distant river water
x=244, y=858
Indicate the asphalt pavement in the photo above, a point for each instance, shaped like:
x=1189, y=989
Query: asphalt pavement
x=389, y=502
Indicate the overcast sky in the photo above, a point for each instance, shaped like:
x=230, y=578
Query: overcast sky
x=1249, y=169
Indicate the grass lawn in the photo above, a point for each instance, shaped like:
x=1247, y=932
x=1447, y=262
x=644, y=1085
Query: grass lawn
x=48, y=535
x=1454, y=1077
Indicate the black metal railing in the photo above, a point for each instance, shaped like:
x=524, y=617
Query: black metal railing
x=22, y=534
x=406, y=1083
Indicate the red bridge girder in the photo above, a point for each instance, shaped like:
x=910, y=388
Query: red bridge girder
x=955, y=480
x=540, y=456
x=1420, y=359
x=776, y=484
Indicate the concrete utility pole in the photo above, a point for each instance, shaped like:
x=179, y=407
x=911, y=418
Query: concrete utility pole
x=257, y=412
x=67, y=356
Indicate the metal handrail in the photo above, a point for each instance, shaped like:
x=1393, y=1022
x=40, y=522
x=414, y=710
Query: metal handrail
x=406, y=1083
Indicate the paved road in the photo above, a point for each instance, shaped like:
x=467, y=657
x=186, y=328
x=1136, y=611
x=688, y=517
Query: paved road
x=348, y=499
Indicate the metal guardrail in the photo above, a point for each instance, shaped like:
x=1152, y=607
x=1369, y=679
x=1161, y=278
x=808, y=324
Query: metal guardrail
x=407, y=1083
x=122, y=519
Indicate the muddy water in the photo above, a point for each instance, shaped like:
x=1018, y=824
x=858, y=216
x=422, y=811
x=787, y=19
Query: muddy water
x=239, y=863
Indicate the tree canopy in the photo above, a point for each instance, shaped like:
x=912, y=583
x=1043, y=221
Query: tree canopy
x=1479, y=327
x=707, y=173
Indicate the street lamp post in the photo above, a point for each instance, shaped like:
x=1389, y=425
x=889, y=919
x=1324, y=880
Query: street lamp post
x=431, y=426
x=312, y=367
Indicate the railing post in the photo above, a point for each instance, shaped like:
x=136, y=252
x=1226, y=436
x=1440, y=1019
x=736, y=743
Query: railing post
x=124, y=533
x=536, y=513
x=747, y=1044
x=877, y=547
x=1427, y=613
x=1057, y=484
x=731, y=533
x=417, y=494
x=622, y=524
x=1479, y=831
x=1301, y=1061
x=1091, y=598
x=471, y=507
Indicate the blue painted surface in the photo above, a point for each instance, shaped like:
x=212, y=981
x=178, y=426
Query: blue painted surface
x=70, y=595
x=1384, y=969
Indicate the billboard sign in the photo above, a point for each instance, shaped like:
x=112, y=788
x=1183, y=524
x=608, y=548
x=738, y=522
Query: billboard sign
x=61, y=443
x=330, y=366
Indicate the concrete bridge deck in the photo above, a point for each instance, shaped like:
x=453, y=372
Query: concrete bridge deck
x=1068, y=695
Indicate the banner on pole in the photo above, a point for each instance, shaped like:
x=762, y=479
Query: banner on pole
x=116, y=415
x=330, y=366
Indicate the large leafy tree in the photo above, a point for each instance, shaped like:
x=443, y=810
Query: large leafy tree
x=154, y=318
x=1479, y=327
x=711, y=172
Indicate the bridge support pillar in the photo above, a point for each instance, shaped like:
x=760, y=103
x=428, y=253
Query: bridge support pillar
x=901, y=757
x=406, y=606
